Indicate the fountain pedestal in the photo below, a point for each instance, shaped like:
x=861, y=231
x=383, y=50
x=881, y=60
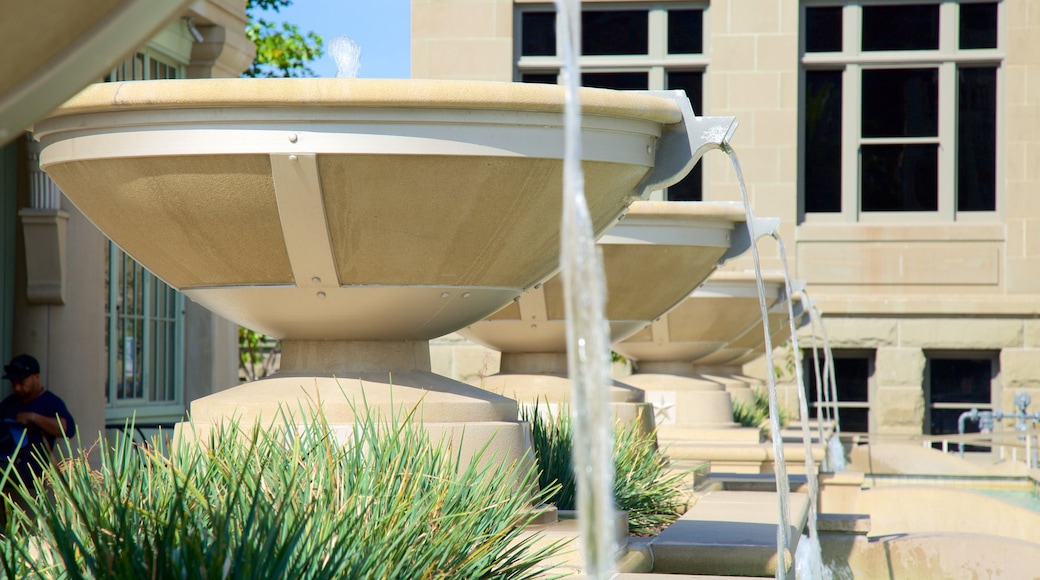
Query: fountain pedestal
x=688, y=402
x=355, y=219
x=652, y=259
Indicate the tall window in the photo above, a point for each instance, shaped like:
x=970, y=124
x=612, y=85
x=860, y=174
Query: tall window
x=956, y=384
x=853, y=373
x=145, y=317
x=900, y=110
x=144, y=337
x=652, y=46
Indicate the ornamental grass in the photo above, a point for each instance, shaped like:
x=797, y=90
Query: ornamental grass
x=293, y=502
x=756, y=413
x=644, y=485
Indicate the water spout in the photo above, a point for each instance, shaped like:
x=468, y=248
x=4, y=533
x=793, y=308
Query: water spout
x=783, y=486
x=587, y=334
x=826, y=394
x=812, y=549
x=347, y=55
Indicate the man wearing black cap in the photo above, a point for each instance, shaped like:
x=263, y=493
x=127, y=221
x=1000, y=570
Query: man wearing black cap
x=37, y=416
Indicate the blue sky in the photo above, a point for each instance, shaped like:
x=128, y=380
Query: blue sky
x=381, y=27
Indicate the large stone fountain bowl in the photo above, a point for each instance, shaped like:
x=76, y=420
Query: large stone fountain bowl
x=751, y=345
x=346, y=209
x=652, y=259
x=724, y=308
x=64, y=46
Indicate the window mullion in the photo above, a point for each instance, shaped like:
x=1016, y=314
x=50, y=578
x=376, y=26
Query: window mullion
x=947, y=178
x=850, y=137
x=178, y=351
x=657, y=21
x=148, y=327
x=949, y=24
x=115, y=268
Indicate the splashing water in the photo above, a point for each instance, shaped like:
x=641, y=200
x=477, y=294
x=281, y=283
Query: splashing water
x=347, y=55
x=835, y=454
x=587, y=342
x=815, y=568
x=783, y=485
x=808, y=560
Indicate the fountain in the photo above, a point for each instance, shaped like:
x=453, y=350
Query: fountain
x=652, y=259
x=720, y=311
x=726, y=365
x=355, y=219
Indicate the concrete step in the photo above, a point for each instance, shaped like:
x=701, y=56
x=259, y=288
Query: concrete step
x=731, y=533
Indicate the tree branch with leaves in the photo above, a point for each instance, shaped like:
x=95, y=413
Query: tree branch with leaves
x=281, y=49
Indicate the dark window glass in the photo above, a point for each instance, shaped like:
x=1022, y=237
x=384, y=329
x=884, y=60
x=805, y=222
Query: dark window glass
x=899, y=177
x=957, y=381
x=691, y=186
x=901, y=102
x=901, y=27
x=978, y=25
x=854, y=420
x=622, y=81
x=614, y=32
x=823, y=29
x=685, y=31
x=977, y=139
x=538, y=34
x=960, y=381
x=852, y=377
x=851, y=374
x=540, y=78
x=823, y=141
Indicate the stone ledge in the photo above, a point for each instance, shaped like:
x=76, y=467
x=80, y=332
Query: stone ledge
x=857, y=524
x=729, y=533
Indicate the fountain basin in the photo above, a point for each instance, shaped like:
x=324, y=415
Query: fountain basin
x=355, y=219
x=690, y=406
x=725, y=307
x=751, y=345
x=345, y=209
x=652, y=259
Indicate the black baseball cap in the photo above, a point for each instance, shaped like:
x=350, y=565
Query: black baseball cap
x=20, y=367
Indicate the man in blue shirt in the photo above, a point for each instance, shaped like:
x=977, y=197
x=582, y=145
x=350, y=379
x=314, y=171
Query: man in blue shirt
x=33, y=416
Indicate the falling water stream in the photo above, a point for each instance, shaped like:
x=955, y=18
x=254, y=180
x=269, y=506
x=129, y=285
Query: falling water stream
x=808, y=557
x=835, y=451
x=832, y=382
x=783, y=486
x=822, y=409
x=587, y=335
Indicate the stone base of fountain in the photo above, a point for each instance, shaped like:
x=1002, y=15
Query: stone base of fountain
x=541, y=380
x=729, y=533
x=564, y=528
x=349, y=380
x=686, y=400
x=736, y=457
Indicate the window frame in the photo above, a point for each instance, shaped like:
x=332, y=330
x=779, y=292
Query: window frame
x=809, y=373
x=149, y=407
x=657, y=63
x=995, y=389
x=851, y=61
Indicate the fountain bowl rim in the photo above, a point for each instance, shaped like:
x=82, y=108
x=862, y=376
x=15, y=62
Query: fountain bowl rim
x=363, y=93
